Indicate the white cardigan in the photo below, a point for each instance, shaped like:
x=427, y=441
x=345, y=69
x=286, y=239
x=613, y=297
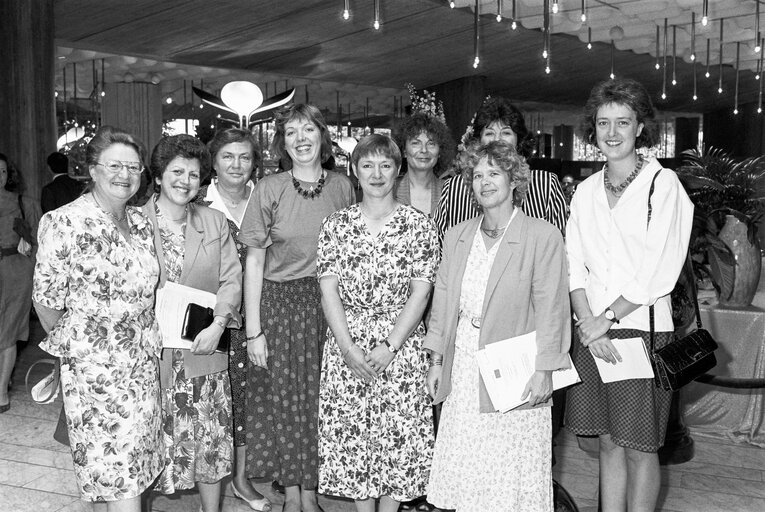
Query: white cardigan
x=612, y=253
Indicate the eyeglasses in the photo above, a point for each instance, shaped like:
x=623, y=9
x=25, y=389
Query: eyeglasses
x=115, y=166
x=229, y=158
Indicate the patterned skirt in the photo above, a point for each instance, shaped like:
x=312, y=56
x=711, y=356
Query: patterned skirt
x=283, y=400
x=237, y=372
x=113, y=415
x=197, y=429
x=634, y=412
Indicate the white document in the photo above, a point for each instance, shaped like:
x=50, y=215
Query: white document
x=634, y=365
x=172, y=300
x=507, y=365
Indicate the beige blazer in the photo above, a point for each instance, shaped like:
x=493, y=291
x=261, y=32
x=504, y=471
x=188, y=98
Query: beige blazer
x=210, y=263
x=527, y=291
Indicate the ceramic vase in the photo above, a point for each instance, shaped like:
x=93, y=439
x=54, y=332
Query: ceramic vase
x=748, y=264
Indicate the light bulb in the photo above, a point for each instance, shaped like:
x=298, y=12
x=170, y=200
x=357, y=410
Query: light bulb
x=706, y=74
x=544, y=54
x=695, y=97
x=584, y=17
x=674, y=82
x=719, y=90
x=451, y=4
x=377, y=25
x=169, y=100
x=499, y=18
x=212, y=126
x=657, y=66
x=103, y=93
x=346, y=14
x=612, y=76
x=555, y=7
x=514, y=25
x=547, y=69
x=663, y=96
x=55, y=94
x=735, y=111
x=705, y=20
x=476, y=61
x=589, y=46
x=693, y=57
x=201, y=105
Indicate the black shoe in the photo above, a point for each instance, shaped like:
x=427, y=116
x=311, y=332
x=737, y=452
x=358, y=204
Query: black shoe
x=277, y=487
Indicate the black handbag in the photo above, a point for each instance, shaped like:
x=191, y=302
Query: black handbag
x=198, y=318
x=689, y=356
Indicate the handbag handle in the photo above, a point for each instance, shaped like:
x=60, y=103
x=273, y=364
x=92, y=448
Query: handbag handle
x=694, y=290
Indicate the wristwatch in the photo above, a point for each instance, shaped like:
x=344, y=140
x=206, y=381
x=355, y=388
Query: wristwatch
x=610, y=315
x=391, y=348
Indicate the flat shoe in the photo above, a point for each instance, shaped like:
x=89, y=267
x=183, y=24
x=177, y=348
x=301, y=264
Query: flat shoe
x=5, y=408
x=259, y=504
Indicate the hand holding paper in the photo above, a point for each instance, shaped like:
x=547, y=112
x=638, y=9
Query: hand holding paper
x=634, y=362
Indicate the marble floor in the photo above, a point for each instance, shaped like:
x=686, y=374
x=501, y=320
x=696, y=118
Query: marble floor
x=36, y=471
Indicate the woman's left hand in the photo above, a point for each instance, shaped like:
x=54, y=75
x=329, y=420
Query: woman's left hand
x=379, y=358
x=207, y=340
x=539, y=388
x=592, y=328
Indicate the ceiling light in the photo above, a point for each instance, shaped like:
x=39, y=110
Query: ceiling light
x=719, y=83
x=693, y=37
x=705, y=12
x=658, y=47
x=514, y=25
x=169, y=100
x=346, y=9
x=555, y=7
x=376, y=24
x=476, y=34
x=499, y=11
x=589, y=38
x=708, y=59
x=757, y=47
x=584, y=12
x=451, y=4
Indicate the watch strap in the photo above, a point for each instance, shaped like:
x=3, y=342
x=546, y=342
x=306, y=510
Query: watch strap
x=391, y=348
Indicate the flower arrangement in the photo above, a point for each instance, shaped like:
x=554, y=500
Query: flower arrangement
x=426, y=103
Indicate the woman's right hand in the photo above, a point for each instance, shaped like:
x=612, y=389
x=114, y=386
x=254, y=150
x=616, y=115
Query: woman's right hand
x=257, y=351
x=355, y=358
x=433, y=380
x=603, y=348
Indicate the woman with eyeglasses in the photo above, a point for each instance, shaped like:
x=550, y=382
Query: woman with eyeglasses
x=93, y=290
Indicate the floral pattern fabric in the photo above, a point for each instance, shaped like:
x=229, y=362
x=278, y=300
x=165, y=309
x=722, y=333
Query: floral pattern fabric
x=376, y=439
x=108, y=340
x=491, y=462
x=196, y=422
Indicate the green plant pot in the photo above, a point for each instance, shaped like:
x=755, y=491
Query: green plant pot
x=748, y=264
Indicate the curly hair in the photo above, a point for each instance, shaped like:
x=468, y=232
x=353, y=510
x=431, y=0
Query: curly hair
x=376, y=144
x=502, y=155
x=107, y=136
x=623, y=91
x=184, y=146
x=14, y=182
x=420, y=122
x=498, y=109
x=232, y=136
x=303, y=112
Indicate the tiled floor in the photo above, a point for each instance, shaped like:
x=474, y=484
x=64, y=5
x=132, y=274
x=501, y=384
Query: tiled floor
x=36, y=471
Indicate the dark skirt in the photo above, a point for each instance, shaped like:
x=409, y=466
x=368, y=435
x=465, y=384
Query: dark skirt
x=634, y=412
x=237, y=373
x=283, y=400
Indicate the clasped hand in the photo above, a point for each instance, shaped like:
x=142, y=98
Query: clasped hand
x=592, y=328
x=207, y=340
x=368, y=366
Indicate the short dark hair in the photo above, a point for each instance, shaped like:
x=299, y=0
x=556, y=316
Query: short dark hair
x=308, y=113
x=376, y=144
x=58, y=163
x=231, y=136
x=501, y=154
x=499, y=109
x=14, y=181
x=621, y=91
x=420, y=122
x=107, y=136
x=174, y=146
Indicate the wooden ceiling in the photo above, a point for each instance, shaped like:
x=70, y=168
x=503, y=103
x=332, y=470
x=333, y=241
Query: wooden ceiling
x=307, y=43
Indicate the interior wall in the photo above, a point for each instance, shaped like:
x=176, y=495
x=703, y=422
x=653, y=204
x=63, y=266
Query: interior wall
x=461, y=98
x=741, y=135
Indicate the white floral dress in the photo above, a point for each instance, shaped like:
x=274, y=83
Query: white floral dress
x=376, y=439
x=108, y=341
x=490, y=462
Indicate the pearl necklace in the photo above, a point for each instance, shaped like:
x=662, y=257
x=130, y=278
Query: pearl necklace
x=617, y=190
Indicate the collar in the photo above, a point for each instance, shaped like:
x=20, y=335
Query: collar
x=217, y=203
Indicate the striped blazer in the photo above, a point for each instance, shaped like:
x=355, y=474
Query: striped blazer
x=544, y=200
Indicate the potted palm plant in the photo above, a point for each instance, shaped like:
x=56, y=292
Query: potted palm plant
x=729, y=201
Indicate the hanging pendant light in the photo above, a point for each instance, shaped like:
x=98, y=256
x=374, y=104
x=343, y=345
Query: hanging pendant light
x=719, y=83
x=708, y=59
x=476, y=34
x=664, y=74
x=695, y=97
x=757, y=46
x=658, y=48
x=589, y=38
x=759, y=63
x=546, y=28
x=693, y=37
x=612, y=60
x=705, y=12
x=346, y=9
x=674, y=55
x=376, y=23
x=514, y=25
x=735, y=94
x=555, y=7
x=583, y=17
x=499, y=11
x=451, y=4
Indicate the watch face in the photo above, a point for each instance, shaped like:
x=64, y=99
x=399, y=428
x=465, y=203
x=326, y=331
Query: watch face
x=610, y=315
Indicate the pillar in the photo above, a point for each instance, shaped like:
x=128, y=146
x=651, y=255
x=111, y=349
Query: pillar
x=27, y=104
x=136, y=108
x=461, y=99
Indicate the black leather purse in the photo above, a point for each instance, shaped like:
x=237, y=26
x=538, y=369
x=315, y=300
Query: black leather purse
x=198, y=318
x=689, y=356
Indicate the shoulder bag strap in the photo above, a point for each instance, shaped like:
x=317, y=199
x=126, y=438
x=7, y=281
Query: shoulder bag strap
x=648, y=221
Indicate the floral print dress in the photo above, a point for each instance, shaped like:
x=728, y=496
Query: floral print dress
x=196, y=422
x=490, y=462
x=376, y=439
x=108, y=341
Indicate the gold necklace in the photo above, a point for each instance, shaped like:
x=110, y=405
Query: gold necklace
x=107, y=212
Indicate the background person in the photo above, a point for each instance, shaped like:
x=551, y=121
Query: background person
x=502, y=274
x=94, y=288
x=63, y=189
x=376, y=263
x=285, y=324
x=234, y=155
x=617, y=269
x=195, y=250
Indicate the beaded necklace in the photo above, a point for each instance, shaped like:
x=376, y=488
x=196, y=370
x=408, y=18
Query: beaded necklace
x=312, y=192
x=618, y=189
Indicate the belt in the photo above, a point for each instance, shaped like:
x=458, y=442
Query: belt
x=8, y=251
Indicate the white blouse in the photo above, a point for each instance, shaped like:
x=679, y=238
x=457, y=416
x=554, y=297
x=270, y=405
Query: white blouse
x=216, y=201
x=612, y=253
